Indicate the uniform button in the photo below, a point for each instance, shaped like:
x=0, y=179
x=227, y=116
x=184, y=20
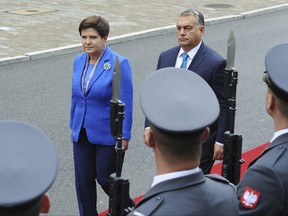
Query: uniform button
x=281, y=146
x=158, y=198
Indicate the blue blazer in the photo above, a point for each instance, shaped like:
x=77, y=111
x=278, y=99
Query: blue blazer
x=94, y=107
x=211, y=67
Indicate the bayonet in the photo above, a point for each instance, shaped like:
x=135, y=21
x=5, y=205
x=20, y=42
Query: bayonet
x=231, y=49
x=116, y=81
x=116, y=106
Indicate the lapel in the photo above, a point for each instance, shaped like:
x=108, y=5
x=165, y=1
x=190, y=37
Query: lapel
x=174, y=184
x=198, y=58
x=171, y=60
x=278, y=141
x=104, y=64
x=81, y=65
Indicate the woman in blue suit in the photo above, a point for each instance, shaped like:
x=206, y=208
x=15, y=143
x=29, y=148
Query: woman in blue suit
x=93, y=145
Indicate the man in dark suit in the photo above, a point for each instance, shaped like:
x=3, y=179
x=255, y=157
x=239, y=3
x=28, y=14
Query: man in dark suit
x=263, y=189
x=194, y=55
x=176, y=135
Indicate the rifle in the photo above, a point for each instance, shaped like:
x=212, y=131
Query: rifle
x=119, y=198
x=232, y=161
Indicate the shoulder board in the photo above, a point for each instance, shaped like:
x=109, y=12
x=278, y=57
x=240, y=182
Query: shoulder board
x=272, y=155
x=218, y=178
x=148, y=207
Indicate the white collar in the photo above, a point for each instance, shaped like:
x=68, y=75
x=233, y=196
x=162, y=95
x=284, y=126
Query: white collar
x=278, y=133
x=160, y=178
x=191, y=53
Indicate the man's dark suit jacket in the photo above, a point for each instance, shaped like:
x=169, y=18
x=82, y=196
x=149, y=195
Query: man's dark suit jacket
x=211, y=67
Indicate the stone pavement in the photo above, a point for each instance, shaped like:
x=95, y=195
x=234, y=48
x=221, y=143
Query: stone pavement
x=30, y=26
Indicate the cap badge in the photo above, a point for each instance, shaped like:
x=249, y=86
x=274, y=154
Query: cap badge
x=250, y=198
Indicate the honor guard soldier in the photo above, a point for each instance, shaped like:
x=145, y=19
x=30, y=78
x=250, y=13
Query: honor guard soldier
x=264, y=187
x=28, y=167
x=180, y=105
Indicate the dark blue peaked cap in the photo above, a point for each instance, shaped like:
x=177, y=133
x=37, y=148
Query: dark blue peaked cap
x=178, y=101
x=28, y=166
x=276, y=62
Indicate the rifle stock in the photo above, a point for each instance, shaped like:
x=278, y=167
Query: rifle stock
x=119, y=199
x=232, y=161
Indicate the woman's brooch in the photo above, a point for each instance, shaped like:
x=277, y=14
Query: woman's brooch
x=107, y=66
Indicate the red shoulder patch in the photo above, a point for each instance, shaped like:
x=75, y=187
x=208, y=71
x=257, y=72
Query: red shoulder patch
x=250, y=198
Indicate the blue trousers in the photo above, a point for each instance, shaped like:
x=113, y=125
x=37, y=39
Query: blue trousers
x=92, y=162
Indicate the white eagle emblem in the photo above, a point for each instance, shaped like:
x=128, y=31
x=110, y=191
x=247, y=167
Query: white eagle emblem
x=250, y=198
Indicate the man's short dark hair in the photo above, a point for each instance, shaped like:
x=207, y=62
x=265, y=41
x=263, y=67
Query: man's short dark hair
x=199, y=16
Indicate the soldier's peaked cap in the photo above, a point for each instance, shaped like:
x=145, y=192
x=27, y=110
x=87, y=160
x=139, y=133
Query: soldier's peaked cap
x=28, y=166
x=276, y=63
x=178, y=101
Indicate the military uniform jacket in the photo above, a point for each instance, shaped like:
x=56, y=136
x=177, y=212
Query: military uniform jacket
x=190, y=195
x=264, y=187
